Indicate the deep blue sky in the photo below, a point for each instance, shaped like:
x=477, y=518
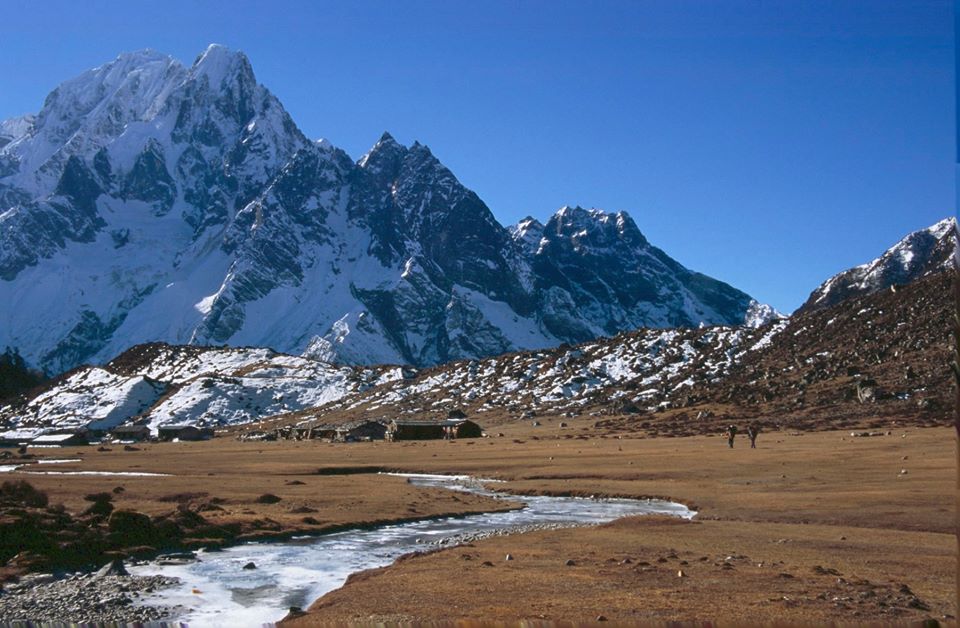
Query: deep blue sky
x=769, y=144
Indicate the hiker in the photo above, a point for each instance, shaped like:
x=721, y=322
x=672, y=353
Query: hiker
x=752, y=431
x=731, y=434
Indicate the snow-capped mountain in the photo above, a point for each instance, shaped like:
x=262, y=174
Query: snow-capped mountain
x=159, y=384
x=825, y=368
x=919, y=254
x=151, y=201
x=863, y=362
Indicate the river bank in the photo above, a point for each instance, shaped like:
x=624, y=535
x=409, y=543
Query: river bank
x=258, y=583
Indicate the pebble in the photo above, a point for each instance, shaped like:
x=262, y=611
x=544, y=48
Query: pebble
x=83, y=599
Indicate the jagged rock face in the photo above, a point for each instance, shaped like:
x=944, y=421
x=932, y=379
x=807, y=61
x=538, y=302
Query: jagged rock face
x=852, y=365
x=595, y=274
x=921, y=253
x=152, y=201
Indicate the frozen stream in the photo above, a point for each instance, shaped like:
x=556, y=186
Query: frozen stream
x=217, y=591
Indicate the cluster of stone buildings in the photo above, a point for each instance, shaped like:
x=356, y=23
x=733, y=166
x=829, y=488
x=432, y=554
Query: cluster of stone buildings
x=123, y=433
x=458, y=426
x=369, y=430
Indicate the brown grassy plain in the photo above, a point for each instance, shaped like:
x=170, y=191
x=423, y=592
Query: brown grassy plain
x=808, y=527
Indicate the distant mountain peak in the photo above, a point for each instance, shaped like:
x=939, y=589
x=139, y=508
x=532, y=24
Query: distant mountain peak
x=218, y=59
x=418, y=147
x=943, y=227
x=527, y=233
x=920, y=253
x=384, y=155
x=595, y=225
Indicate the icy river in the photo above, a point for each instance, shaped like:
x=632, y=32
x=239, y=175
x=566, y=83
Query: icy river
x=216, y=590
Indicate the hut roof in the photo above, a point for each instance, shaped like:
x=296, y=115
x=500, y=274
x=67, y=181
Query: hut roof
x=349, y=425
x=130, y=428
x=441, y=422
x=55, y=438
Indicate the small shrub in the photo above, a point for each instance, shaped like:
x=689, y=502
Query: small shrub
x=22, y=493
x=101, y=508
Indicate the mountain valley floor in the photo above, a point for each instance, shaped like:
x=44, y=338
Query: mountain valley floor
x=807, y=527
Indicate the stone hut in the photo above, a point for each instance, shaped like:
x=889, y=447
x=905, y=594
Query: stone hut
x=64, y=439
x=361, y=430
x=131, y=432
x=433, y=430
x=184, y=432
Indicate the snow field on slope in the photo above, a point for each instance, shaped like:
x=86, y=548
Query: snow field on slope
x=187, y=385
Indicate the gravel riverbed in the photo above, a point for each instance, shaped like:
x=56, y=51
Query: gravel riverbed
x=471, y=537
x=82, y=599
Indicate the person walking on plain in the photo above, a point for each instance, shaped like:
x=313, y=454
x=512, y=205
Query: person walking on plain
x=731, y=434
x=753, y=430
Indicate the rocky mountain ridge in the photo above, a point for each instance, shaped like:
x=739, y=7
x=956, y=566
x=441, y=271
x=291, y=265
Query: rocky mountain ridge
x=863, y=362
x=923, y=252
x=153, y=201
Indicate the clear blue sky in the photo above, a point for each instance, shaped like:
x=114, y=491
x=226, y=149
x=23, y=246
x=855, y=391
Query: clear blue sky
x=769, y=144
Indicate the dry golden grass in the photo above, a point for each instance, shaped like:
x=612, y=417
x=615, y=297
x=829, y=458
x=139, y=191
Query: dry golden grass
x=226, y=481
x=795, y=503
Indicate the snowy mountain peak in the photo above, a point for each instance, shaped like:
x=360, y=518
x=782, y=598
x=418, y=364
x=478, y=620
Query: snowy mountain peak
x=149, y=201
x=118, y=91
x=760, y=314
x=219, y=63
x=417, y=147
x=527, y=236
x=576, y=215
x=920, y=253
x=527, y=230
x=942, y=228
x=595, y=227
x=385, y=155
